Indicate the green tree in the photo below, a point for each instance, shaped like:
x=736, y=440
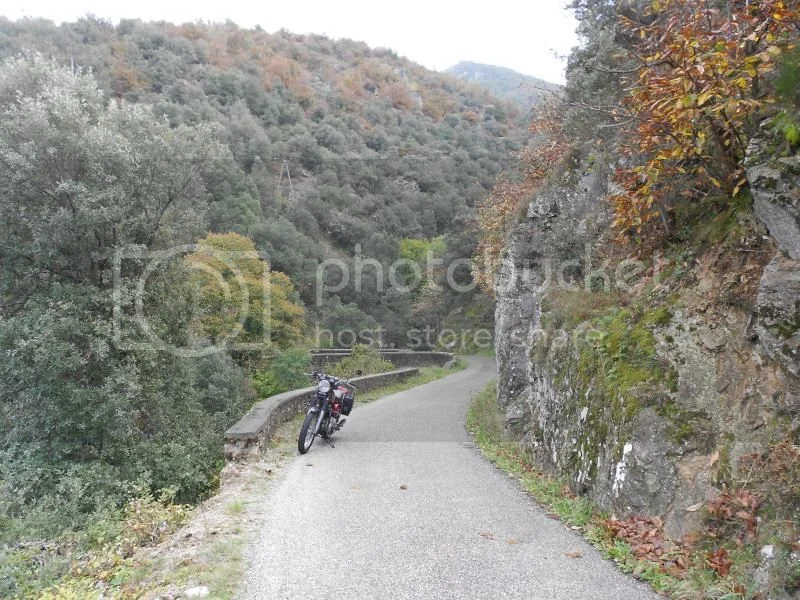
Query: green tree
x=90, y=405
x=239, y=298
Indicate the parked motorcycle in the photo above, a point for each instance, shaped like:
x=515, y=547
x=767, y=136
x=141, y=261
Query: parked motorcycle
x=330, y=404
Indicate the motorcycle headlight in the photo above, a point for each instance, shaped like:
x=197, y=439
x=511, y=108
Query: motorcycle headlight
x=324, y=386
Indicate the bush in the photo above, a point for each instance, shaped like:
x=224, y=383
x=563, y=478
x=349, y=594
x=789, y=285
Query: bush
x=365, y=359
x=287, y=371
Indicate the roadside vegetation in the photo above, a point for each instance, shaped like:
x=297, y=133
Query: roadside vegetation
x=122, y=553
x=426, y=375
x=716, y=563
x=146, y=180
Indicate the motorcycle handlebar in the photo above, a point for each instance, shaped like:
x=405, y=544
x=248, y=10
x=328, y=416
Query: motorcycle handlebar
x=332, y=379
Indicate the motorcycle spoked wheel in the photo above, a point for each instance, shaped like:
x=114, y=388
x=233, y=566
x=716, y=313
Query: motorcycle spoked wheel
x=306, y=438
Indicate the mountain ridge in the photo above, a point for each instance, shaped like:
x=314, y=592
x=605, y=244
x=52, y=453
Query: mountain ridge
x=526, y=90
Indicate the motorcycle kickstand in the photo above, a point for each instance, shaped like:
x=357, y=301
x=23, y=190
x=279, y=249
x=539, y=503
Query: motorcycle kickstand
x=329, y=442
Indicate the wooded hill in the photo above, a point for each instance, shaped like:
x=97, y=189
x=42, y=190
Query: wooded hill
x=334, y=144
x=156, y=137
x=525, y=90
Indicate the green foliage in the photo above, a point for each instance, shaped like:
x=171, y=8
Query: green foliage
x=789, y=127
x=240, y=298
x=93, y=406
x=713, y=220
x=619, y=349
x=417, y=250
x=373, y=156
x=787, y=84
x=341, y=321
x=287, y=371
x=72, y=566
x=363, y=358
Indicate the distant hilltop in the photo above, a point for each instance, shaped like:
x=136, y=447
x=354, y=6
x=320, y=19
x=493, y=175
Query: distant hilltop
x=526, y=90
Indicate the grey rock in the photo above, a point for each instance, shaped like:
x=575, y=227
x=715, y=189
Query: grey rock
x=778, y=307
x=768, y=552
x=713, y=339
x=775, y=184
x=662, y=448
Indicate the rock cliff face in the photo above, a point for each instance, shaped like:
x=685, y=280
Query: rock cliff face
x=644, y=383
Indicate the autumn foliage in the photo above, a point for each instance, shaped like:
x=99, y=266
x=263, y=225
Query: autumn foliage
x=240, y=297
x=701, y=74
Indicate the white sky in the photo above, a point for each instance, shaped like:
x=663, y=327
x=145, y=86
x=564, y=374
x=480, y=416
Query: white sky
x=522, y=35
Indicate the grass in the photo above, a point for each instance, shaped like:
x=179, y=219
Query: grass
x=220, y=567
x=234, y=508
x=486, y=423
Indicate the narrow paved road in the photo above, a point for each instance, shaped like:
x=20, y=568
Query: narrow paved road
x=405, y=507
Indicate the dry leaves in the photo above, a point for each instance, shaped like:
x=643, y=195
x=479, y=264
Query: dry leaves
x=649, y=543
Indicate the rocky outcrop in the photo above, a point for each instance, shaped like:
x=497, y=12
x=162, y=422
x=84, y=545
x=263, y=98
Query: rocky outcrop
x=774, y=174
x=778, y=324
x=647, y=408
x=776, y=193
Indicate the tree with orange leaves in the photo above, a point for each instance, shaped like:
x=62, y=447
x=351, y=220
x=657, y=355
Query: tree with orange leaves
x=701, y=75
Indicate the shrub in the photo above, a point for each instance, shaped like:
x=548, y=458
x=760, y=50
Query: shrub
x=365, y=359
x=287, y=371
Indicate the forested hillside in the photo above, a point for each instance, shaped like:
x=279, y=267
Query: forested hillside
x=168, y=195
x=333, y=144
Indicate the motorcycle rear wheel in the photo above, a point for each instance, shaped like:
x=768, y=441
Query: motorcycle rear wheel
x=306, y=438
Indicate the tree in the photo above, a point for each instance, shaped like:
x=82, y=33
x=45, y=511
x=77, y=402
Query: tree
x=701, y=74
x=91, y=406
x=239, y=299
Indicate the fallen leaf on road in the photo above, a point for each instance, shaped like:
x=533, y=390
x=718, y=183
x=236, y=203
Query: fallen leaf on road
x=574, y=554
x=695, y=507
x=487, y=535
x=404, y=487
x=512, y=541
x=309, y=464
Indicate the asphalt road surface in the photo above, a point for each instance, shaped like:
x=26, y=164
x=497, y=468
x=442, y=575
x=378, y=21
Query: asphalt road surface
x=406, y=507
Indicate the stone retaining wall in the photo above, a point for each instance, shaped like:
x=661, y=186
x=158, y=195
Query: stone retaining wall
x=400, y=358
x=247, y=437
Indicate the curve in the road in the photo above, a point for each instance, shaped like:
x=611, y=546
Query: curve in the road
x=405, y=507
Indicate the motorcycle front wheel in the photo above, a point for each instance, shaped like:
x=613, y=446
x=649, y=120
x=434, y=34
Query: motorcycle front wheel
x=306, y=437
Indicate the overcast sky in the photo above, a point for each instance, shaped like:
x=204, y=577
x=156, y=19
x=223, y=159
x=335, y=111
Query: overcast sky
x=526, y=36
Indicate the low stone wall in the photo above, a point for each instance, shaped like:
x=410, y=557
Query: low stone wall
x=247, y=437
x=400, y=358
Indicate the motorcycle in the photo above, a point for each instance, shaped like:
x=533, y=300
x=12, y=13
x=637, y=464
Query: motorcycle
x=330, y=404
